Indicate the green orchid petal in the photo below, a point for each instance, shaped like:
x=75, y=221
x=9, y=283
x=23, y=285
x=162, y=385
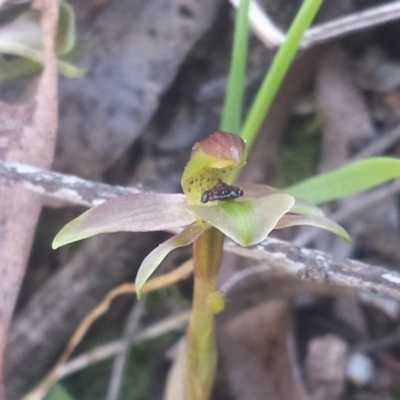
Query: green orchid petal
x=139, y=212
x=301, y=206
x=246, y=222
x=313, y=220
x=345, y=181
x=154, y=259
x=214, y=159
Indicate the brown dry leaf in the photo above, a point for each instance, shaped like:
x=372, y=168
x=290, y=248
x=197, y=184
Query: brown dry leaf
x=259, y=356
x=27, y=134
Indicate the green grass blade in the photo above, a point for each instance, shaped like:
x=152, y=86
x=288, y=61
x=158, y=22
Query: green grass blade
x=347, y=180
x=278, y=70
x=233, y=105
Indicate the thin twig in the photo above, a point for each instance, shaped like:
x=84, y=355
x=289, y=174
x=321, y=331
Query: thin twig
x=377, y=344
x=59, y=186
x=118, y=370
x=380, y=145
x=272, y=36
x=352, y=23
x=101, y=353
x=262, y=25
x=317, y=266
x=241, y=276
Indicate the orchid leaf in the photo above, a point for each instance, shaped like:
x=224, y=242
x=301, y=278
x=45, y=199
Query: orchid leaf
x=347, y=180
x=246, y=222
x=277, y=71
x=313, y=220
x=139, y=212
x=154, y=259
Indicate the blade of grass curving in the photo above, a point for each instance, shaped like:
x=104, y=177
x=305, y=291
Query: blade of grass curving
x=278, y=70
x=347, y=180
x=231, y=119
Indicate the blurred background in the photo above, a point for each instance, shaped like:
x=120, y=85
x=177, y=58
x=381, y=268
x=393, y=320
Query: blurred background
x=155, y=80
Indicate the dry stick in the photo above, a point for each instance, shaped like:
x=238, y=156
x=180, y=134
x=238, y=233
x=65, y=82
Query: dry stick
x=101, y=353
x=241, y=276
x=352, y=23
x=381, y=144
x=67, y=188
x=272, y=36
x=313, y=268
x=319, y=267
x=180, y=273
x=373, y=345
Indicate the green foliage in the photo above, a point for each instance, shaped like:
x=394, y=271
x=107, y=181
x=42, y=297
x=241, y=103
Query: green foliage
x=347, y=180
x=231, y=120
x=273, y=79
x=277, y=72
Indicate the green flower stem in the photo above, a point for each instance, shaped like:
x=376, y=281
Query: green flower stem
x=201, y=355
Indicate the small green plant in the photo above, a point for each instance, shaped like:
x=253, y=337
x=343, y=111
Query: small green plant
x=208, y=210
x=212, y=207
x=21, y=36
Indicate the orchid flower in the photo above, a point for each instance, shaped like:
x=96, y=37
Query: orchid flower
x=246, y=213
